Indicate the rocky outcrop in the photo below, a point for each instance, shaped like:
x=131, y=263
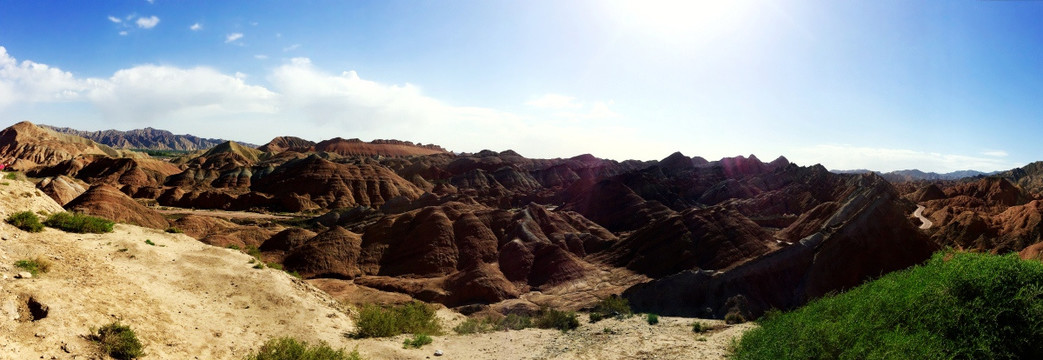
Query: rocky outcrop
x=863, y=232
x=110, y=203
x=25, y=146
x=62, y=189
x=356, y=147
x=147, y=138
x=316, y=183
x=287, y=143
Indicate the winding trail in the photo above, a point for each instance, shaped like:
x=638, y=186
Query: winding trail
x=919, y=215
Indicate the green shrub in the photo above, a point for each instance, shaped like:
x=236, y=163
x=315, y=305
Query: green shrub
x=233, y=247
x=25, y=220
x=254, y=251
x=276, y=266
x=417, y=341
x=287, y=348
x=515, y=322
x=734, y=318
x=652, y=319
x=414, y=318
x=79, y=223
x=956, y=306
x=612, y=306
x=174, y=230
x=698, y=327
x=555, y=319
x=475, y=326
x=149, y=242
x=34, y=266
x=11, y=176
x=118, y=341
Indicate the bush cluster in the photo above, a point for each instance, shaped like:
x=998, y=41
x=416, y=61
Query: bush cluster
x=417, y=341
x=79, y=223
x=25, y=220
x=485, y=325
x=957, y=305
x=118, y=340
x=287, y=348
x=411, y=318
x=556, y=319
x=612, y=306
x=652, y=319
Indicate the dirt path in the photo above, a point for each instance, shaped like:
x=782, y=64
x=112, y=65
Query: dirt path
x=221, y=214
x=925, y=223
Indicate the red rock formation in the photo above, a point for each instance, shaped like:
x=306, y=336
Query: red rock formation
x=315, y=183
x=25, y=146
x=108, y=202
x=291, y=143
x=356, y=147
x=62, y=188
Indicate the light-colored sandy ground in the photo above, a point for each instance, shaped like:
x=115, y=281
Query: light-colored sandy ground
x=189, y=300
x=609, y=339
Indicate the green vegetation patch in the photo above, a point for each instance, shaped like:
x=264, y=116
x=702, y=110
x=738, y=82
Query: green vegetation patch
x=613, y=306
x=117, y=340
x=956, y=306
x=417, y=341
x=287, y=348
x=79, y=223
x=652, y=319
x=174, y=230
x=411, y=318
x=25, y=220
x=557, y=319
x=35, y=266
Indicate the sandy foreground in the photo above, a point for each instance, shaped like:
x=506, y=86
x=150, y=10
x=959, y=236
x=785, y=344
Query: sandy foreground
x=189, y=300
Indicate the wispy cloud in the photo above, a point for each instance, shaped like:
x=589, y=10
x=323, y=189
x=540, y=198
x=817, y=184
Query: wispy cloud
x=115, y=19
x=196, y=27
x=260, y=56
x=291, y=47
x=233, y=37
x=325, y=104
x=847, y=157
x=995, y=153
x=147, y=22
x=123, y=33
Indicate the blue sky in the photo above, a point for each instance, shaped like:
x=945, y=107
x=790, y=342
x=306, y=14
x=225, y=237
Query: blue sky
x=884, y=85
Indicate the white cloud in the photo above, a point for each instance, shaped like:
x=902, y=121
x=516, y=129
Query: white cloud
x=151, y=92
x=995, y=153
x=233, y=37
x=151, y=1
x=847, y=157
x=115, y=19
x=554, y=101
x=260, y=56
x=147, y=22
x=123, y=33
x=301, y=101
x=291, y=47
x=196, y=27
x=34, y=82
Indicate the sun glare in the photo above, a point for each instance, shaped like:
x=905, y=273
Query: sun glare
x=682, y=20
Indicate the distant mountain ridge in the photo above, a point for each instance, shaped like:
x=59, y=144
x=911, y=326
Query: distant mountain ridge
x=914, y=175
x=147, y=138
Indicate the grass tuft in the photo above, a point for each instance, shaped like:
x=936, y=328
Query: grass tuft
x=35, y=266
x=287, y=348
x=417, y=341
x=25, y=220
x=174, y=230
x=652, y=319
x=118, y=341
x=79, y=223
x=957, y=305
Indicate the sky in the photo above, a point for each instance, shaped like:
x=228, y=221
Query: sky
x=882, y=85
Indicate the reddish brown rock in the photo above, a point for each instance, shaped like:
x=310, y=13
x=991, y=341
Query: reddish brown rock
x=108, y=202
x=62, y=188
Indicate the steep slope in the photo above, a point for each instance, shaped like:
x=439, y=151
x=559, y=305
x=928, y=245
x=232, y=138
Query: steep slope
x=184, y=299
x=108, y=202
x=25, y=146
